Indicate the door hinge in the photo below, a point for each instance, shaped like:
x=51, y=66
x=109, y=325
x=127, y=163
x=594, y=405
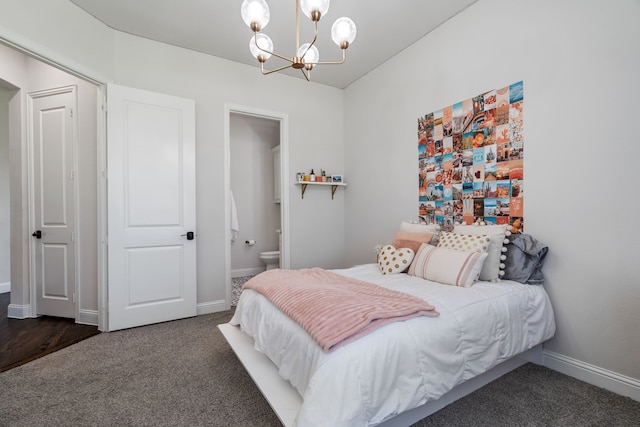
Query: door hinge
x=73, y=236
x=73, y=174
x=71, y=111
x=73, y=298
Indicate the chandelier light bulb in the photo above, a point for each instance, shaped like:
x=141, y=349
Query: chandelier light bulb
x=312, y=55
x=264, y=42
x=343, y=30
x=309, y=6
x=255, y=13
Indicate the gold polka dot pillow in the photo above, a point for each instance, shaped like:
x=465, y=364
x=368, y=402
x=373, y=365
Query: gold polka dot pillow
x=392, y=260
x=494, y=264
x=464, y=242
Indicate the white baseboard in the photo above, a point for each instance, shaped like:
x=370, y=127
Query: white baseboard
x=88, y=317
x=5, y=287
x=599, y=377
x=534, y=355
x=15, y=311
x=241, y=272
x=211, y=307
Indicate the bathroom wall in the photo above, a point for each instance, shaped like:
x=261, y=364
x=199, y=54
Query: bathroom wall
x=251, y=140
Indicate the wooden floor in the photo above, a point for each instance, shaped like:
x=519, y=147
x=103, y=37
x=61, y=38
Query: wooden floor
x=23, y=340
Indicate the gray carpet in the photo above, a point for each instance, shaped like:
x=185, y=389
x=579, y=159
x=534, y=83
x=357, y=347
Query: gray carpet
x=179, y=373
x=535, y=396
x=183, y=373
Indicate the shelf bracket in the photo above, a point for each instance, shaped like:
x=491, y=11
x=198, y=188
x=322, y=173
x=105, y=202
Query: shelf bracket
x=334, y=187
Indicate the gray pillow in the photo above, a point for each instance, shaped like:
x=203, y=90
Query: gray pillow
x=525, y=257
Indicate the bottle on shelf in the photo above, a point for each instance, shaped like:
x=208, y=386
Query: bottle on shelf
x=312, y=176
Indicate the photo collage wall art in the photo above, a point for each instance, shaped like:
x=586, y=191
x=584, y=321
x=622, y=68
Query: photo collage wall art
x=470, y=160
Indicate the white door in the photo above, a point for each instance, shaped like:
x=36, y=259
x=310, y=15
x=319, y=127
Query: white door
x=151, y=207
x=52, y=135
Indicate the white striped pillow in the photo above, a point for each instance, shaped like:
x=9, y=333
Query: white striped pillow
x=447, y=266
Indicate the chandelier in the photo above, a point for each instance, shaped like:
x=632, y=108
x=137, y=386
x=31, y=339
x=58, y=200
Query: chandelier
x=255, y=14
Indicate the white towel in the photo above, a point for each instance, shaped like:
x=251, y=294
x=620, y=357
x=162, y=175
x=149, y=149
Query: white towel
x=234, y=218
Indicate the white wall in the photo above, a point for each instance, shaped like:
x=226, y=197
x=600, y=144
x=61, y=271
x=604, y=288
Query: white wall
x=5, y=264
x=13, y=70
x=317, y=222
x=579, y=62
x=60, y=31
x=252, y=183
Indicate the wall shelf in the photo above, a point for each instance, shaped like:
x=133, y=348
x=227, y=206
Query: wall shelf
x=334, y=186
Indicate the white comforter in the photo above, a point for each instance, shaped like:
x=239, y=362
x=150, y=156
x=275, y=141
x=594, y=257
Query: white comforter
x=405, y=364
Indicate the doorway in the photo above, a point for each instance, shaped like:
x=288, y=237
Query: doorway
x=255, y=142
x=5, y=252
x=28, y=75
x=267, y=220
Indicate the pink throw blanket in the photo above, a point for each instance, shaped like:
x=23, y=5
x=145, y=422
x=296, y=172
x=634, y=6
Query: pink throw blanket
x=335, y=309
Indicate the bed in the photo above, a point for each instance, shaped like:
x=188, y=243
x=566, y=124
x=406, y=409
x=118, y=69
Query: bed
x=402, y=371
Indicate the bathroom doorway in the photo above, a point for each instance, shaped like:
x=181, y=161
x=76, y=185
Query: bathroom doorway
x=257, y=223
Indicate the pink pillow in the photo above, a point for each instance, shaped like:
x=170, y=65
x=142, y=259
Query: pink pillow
x=404, y=239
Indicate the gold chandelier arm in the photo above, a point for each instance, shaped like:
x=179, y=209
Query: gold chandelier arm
x=282, y=57
x=344, y=58
x=255, y=37
x=266, y=72
x=315, y=37
x=306, y=76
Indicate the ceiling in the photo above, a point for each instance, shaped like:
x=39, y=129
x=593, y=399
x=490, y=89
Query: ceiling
x=215, y=27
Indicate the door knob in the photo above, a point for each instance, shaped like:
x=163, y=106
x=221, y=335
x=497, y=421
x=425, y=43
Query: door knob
x=190, y=235
x=37, y=234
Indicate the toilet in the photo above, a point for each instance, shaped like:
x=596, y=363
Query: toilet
x=271, y=259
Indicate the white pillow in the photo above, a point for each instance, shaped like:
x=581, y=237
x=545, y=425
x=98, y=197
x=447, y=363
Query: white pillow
x=404, y=239
x=410, y=227
x=493, y=266
x=447, y=266
x=464, y=242
x=392, y=260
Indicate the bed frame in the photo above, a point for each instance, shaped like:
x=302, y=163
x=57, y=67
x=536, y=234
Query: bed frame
x=285, y=400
